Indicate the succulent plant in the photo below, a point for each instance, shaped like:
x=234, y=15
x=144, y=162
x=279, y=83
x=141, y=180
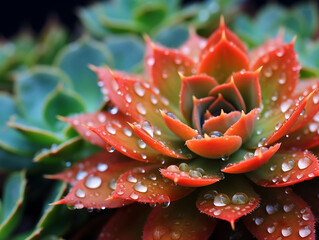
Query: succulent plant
x=156, y=18
x=209, y=132
x=300, y=20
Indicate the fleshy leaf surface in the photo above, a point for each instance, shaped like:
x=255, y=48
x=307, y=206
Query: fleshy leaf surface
x=214, y=147
x=138, y=185
x=282, y=214
x=162, y=67
x=198, y=86
x=243, y=161
x=178, y=222
x=286, y=168
x=12, y=200
x=195, y=173
x=125, y=218
x=228, y=200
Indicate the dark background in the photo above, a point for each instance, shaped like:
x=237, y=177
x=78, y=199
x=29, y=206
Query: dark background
x=17, y=14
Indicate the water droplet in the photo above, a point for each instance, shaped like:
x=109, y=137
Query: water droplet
x=139, y=90
x=304, y=232
x=175, y=235
x=152, y=176
x=140, y=187
x=110, y=129
x=147, y=127
x=271, y=229
x=128, y=98
x=173, y=168
x=112, y=184
x=271, y=209
x=165, y=101
x=93, y=182
x=304, y=163
x=153, y=99
x=150, y=61
x=110, y=149
x=101, y=118
x=183, y=167
x=131, y=179
x=127, y=132
x=239, y=198
x=284, y=106
x=217, y=212
x=268, y=72
x=113, y=110
x=288, y=165
x=165, y=204
x=258, y=221
x=140, y=108
x=134, y=196
x=141, y=144
x=221, y=200
x=286, y=231
x=102, y=167
x=80, y=193
x=195, y=174
x=288, y=208
x=80, y=175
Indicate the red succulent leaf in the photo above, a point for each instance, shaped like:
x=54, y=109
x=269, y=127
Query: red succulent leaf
x=309, y=191
x=244, y=126
x=214, y=147
x=80, y=122
x=286, y=168
x=248, y=85
x=179, y=128
x=230, y=93
x=178, y=222
x=193, y=45
x=243, y=161
x=304, y=138
x=228, y=200
x=162, y=66
x=282, y=214
x=164, y=145
x=117, y=132
x=200, y=107
x=278, y=76
x=125, y=218
x=309, y=83
x=147, y=185
x=268, y=46
x=288, y=123
x=223, y=59
x=195, y=173
x=215, y=38
x=222, y=122
x=198, y=86
x=99, y=161
x=96, y=188
x=221, y=103
x=311, y=108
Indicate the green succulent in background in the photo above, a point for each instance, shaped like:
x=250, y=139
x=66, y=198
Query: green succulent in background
x=26, y=50
x=301, y=20
x=154, y=17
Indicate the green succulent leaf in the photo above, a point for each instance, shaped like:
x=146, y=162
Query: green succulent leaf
x=49, y=213
x=91, y=21
x=74, y=61
x=32, y=88
x=13, y=162
x=119, y=46
x=10, y=139
x=172, y=37
x=54, y=153
x=12, y=203
x=38, y=135
x=61, y=102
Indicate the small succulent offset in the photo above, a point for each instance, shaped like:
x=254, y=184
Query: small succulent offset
x=209, y=132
